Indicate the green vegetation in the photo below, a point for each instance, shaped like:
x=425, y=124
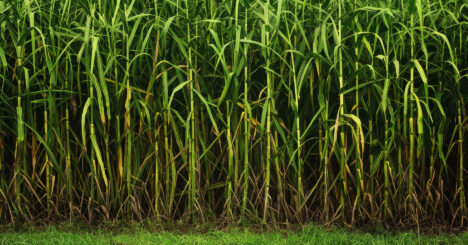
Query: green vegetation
x=307, y=235
x=201, y=110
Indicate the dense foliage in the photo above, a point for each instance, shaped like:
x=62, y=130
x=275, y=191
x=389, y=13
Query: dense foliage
x=285, y=111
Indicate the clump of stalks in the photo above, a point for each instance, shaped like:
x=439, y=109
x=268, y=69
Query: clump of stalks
x=282, y=111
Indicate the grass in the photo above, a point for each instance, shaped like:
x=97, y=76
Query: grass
x=306, y=235
x=279, y=111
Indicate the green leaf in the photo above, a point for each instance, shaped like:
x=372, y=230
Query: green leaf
x=3, y=58
x=210, y=114
x=83, y=122
x=225, y=89
x=385, y=94
x=411, y=6
x=99, y=157
x=422, y=74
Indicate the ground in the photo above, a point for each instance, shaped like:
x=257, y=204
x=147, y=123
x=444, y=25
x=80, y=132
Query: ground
x=306, y=235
